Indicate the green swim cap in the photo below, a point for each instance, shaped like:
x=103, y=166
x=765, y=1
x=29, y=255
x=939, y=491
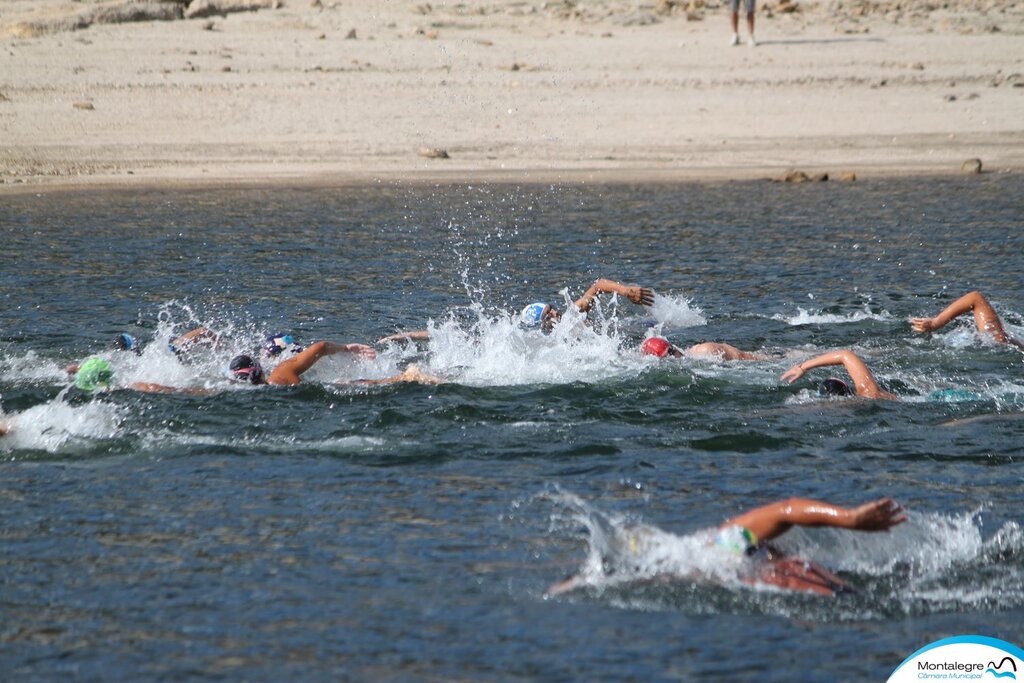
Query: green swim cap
x=94, y=374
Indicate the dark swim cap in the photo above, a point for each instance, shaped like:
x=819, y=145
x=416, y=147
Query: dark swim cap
x=245, y=368
x=834, y=386
x=125, y=342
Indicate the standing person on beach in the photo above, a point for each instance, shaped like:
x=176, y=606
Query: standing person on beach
x=748, y=6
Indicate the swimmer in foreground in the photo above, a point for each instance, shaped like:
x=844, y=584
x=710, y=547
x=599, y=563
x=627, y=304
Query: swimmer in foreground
x=985, y=318
x=661, y=347
x=289, y=371
x=546, y=315
x=748, y=535
x=863, y=381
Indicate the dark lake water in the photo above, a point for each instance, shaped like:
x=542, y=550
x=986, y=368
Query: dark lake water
x=336, y=531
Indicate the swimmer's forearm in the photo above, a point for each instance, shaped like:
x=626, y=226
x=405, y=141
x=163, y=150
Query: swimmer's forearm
x=807, y=512
x=417, y=335
x=964, y=304
x=773, y=520
x=600, y=286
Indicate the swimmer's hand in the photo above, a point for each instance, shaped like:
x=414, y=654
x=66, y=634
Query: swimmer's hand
x=640, y=295
x=793, y=374
x=923, y=324
x=361, y=350
x=879, y=515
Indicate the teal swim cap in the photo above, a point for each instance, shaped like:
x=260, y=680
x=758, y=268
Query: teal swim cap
x=954, y=395
x=94, y=374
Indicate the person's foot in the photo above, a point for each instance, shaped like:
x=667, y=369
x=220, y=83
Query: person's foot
x=751, y=42
x=735, y=40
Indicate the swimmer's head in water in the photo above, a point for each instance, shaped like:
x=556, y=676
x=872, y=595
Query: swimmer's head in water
x=94, y=374
x=125, y=342
x=834, y=386
x=246, y=369
x=276, y=344
x=660, y=347
x=533, y=315
x=737, y=539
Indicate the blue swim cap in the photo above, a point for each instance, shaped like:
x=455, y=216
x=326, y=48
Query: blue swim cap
x=125, y=342
x=276, y=343
x=533, y=315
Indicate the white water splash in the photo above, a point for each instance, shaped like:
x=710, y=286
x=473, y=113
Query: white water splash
x=804, y=317
x=676, y=312
x=498, y=351
x=929, y=562
x=621, y=551
x=57, y=426
x=31, y=368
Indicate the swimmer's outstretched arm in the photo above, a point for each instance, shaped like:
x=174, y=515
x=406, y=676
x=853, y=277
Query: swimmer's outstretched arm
x=418, y=335
x=773, y=520
x=861, y=375
x=638, y=295
x=985, y=317
x=289, y=371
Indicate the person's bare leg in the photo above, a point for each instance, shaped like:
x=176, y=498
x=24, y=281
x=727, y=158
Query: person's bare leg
x=750, y=25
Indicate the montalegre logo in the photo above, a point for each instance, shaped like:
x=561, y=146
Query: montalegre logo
x=963, y=658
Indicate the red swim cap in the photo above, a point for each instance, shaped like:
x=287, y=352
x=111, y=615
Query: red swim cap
x=656, y=346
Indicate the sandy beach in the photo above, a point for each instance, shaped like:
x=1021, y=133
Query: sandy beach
x=344, y=91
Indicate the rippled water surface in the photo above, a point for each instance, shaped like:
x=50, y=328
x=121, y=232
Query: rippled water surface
x=337, y=530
